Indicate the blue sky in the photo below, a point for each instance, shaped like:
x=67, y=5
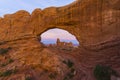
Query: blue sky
x=51, y=35
x=11, y=6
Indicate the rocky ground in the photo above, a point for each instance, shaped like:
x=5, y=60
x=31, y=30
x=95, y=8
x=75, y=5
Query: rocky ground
x=37, y=62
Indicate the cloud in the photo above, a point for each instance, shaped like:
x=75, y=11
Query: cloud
x=58, y=33
x=50, y=36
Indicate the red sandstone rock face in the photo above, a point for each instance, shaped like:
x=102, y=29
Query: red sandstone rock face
x=95, y=26
x=14, y=26
x=95, y=23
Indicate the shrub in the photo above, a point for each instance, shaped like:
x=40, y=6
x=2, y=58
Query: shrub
x=0, y=74
x=69, y=63
x=2, y=65
x=53, y=75
x=4, y=51
x=28, y=78
x=8, y=62
x=70, y=75
x=65, y=78
x=103, y=72
x=14, y=71
x=6, y=73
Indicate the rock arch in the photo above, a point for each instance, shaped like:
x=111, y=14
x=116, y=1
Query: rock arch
x=95, y=23
x=59, y=33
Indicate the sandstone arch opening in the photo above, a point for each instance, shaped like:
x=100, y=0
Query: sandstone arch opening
x=59, y=37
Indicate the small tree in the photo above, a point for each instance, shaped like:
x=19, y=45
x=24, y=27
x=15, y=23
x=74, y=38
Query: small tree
x=103, y=72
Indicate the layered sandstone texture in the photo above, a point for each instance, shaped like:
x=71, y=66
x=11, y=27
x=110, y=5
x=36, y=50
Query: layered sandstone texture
x=95, y=23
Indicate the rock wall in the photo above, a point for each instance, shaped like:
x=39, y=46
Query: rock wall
x=95, y=23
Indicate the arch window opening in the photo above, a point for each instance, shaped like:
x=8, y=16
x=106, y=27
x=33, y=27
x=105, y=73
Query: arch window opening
x=59, y=38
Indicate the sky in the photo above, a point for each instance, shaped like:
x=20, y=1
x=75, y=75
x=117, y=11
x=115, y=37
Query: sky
x=51, y=35
x=11, y=6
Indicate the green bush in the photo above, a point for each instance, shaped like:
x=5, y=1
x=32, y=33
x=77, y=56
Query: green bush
x=69, y=63
x=70, y=75
x=14, y=71
x=0, y=74
x=4, y=50
x=103, y=72
x=6, y=73
x=8, y=62
x=53, y=75
x=28, y=78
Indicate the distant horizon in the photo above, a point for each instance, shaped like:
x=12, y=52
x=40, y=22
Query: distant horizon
x=50, y=36
x=53, y=41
